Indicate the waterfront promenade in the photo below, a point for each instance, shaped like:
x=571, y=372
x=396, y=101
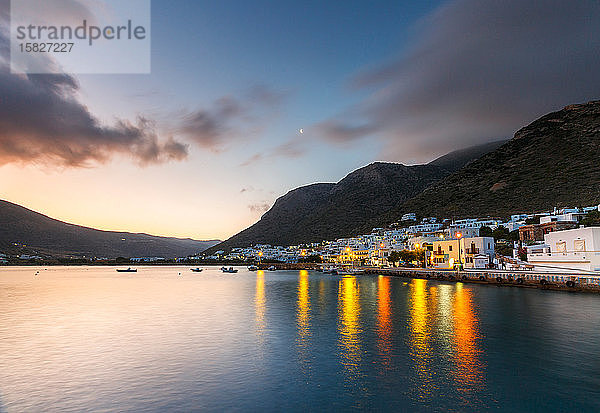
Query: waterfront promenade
x=572, y=282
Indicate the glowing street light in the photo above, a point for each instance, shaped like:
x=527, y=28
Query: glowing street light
x=459, y=236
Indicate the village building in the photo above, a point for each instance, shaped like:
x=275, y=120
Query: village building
x=569, y=250
x=475, y=252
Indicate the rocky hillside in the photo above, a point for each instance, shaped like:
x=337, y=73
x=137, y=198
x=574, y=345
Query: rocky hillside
x=327, y=211
x=43, y=235
x=554, y=161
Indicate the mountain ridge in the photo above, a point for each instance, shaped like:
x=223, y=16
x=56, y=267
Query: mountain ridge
x=339, y=209
x=49, y=236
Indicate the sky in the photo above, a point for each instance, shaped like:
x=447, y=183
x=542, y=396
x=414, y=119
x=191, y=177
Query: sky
x=203, y=145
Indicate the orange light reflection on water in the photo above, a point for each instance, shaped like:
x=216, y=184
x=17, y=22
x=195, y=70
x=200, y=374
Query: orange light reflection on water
x=303, y=305
x=468, y=372
x=384, y=320
x=420, y=327
x=260, y=304
x=348, y=326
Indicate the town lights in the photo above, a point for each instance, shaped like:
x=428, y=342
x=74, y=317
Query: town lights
x=260, y=254
x=459, y=235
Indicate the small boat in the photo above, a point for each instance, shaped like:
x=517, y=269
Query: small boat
x=196, y=269
x=127, y=270
x=272, y=268
x=348, y=271
x=229, y=270
x=253, y=268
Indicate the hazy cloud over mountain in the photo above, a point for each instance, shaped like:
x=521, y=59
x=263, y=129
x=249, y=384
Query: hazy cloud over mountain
x=477, y=70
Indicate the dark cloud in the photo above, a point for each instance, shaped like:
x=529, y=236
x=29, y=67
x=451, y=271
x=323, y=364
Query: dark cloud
x=340, y=132
x=41, y=120
x=210, y=127
x=260, y=207
x=478, y=70
x=257, y=157
x=231, y=118
x=249, y=189
x=291, y=149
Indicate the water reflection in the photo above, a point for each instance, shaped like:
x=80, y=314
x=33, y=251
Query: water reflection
x=349, y=328
x=322, y=295
x=420, y=326
x=445, y=319
x=260, y=304
x=468, y=373
x=303, y=306
x=384, y=320
x=443, y=325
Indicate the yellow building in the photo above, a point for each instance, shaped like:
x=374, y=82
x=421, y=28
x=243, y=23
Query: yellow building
x=350, y=256
x=448, y=253
x=445, y=253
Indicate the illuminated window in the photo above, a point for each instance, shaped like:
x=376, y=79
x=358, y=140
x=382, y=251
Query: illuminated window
x=561, y=246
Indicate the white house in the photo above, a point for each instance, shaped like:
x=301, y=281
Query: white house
x=428, y=227
x=411, y=216
x=464, y=232
x=572, y=249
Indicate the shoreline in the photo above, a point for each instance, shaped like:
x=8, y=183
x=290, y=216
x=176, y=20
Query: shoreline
x=550, y=281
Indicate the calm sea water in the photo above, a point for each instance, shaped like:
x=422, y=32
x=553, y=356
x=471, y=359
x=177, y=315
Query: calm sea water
x=89, y=339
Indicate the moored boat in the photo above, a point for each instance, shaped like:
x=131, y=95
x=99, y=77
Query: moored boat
x=272, y=268
x=127, y=270
x=229, y=270
x=253, y=268
x=196, y=269
x=328, y=270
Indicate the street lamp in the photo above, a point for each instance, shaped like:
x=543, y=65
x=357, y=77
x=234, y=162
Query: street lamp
x=459, y=236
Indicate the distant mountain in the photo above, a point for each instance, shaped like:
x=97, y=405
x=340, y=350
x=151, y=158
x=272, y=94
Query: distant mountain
x=44, y=235
x=328, y=211
x=554, y=161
